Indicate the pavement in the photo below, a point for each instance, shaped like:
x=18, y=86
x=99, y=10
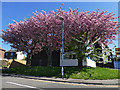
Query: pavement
x=76, y=81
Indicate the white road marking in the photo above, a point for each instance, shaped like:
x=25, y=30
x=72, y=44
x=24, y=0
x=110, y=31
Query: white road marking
x=20, y=85
x=115, y=86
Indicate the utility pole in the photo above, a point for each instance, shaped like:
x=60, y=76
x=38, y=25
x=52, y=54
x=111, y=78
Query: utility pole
x=62, y=49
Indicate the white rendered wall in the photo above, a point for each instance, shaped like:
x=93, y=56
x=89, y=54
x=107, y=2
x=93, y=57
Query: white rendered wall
x=20, y=55
x=89, y=62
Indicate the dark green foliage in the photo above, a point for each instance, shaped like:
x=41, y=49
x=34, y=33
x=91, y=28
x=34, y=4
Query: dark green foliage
x=70, y=72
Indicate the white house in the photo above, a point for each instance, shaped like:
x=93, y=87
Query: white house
x=20, y=55
x=10, y=54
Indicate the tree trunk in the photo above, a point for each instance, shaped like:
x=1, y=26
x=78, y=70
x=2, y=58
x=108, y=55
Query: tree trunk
x=80, y=62
x=112, y=62
x=81, y=57
x=13, y=57
x=49, y=54
x=49, y=59
x=28, y=63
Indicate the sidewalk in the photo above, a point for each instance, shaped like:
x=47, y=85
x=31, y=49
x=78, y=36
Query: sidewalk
x=78, y=81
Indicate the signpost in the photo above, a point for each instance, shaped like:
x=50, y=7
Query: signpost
x=62, y=48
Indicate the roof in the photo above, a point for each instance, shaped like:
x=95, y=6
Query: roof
x=12, y=50
x=2, y=49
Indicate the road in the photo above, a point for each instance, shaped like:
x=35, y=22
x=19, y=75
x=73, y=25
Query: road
x=17, y=82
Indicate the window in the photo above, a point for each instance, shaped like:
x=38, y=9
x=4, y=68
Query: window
x=6, y=54
x=11, y=54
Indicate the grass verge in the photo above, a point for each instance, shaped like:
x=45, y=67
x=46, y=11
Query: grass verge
x=69, y=72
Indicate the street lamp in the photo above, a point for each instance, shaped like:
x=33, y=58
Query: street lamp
x=62, y=49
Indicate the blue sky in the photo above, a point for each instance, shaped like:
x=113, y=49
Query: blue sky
x=20, y=10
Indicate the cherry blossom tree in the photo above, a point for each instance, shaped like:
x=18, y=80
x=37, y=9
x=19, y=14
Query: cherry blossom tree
x=44, y=30
x=90, y=28
x=23, y=37
x=96, y=27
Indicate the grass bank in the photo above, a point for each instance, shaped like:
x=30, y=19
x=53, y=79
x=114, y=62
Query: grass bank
x=69, y=72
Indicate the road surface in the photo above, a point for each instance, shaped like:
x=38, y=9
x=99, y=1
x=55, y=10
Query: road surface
x=31, y=84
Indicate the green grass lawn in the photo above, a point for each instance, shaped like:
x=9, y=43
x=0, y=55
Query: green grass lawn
x=69, y=72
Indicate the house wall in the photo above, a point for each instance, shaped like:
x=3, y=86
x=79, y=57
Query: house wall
x=89, y=62
x=2, y=52
x=20, y=55
x=10, y=55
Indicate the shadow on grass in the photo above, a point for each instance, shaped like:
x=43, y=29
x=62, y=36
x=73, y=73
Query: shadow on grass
x=42, y=71
x=69, y=72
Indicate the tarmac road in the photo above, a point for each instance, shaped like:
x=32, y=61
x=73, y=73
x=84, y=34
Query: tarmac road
x=29, y=84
